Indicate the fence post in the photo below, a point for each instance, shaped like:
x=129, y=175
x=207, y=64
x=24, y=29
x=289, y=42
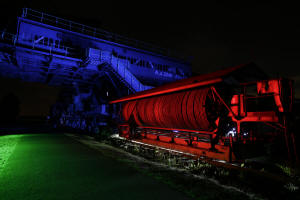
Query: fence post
x=124, y=71
x=118, y=65
x=15, y=40
x=24, y=12
x=111, y=57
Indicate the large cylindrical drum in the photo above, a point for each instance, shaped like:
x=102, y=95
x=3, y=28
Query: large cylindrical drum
x=192, y=109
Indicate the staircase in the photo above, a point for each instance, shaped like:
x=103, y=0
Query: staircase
x=118, y=67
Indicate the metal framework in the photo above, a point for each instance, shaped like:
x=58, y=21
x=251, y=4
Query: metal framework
x=95, y=32
x=59, y=52
x=206, y=116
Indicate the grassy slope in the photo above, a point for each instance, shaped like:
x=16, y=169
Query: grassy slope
x=7, y=147
x=56, y=167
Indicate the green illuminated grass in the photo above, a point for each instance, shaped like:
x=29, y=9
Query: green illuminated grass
x=7, y=146
x=54, y=166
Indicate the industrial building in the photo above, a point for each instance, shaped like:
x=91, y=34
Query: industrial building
x=86, y=66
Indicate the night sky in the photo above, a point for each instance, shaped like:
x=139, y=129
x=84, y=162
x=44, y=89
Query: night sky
x=214, y=35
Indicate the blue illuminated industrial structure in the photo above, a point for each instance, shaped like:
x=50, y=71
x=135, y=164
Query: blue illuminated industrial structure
x=60, y=52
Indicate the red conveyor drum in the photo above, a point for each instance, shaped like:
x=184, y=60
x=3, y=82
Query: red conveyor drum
x=190, y=109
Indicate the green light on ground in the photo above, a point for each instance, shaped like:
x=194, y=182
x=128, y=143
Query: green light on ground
x=7, y=146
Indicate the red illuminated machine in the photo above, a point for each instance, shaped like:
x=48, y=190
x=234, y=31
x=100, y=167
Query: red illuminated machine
x=223, y=115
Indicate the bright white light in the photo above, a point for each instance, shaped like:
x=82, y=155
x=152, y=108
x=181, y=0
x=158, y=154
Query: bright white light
x=232, y=132
x=175, y=131
x=117, y=136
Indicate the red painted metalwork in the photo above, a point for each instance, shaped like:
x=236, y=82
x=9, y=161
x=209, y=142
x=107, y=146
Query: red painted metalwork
x=267, y=116
x=193, y=115
x=273, y=87
x=198, y=149
x=124, y=130
x=165, y=90
x=181, y=110
x=237, y=105
x=180, y=130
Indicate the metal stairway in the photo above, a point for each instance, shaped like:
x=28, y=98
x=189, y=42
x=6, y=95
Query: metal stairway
x=118, y=67
x=96, y=57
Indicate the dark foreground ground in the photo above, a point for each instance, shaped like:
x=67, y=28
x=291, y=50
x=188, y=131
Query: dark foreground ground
x=56, y=166
x=53, y=166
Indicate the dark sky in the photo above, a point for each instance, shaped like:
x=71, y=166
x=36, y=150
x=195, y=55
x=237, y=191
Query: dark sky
x=216, y=35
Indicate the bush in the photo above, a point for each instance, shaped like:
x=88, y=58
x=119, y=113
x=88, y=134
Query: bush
x=103, y=133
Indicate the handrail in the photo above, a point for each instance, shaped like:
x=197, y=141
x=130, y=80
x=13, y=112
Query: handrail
x=12, y=38
x=121, y=67
x=95, y=32
x=8, y=37
x=116, y=63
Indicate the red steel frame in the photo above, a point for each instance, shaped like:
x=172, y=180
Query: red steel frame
x=186, y=141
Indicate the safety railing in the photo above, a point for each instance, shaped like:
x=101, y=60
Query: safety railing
x=8, y=37
x=42, y=44
x=91, y=31
x=121, y=67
